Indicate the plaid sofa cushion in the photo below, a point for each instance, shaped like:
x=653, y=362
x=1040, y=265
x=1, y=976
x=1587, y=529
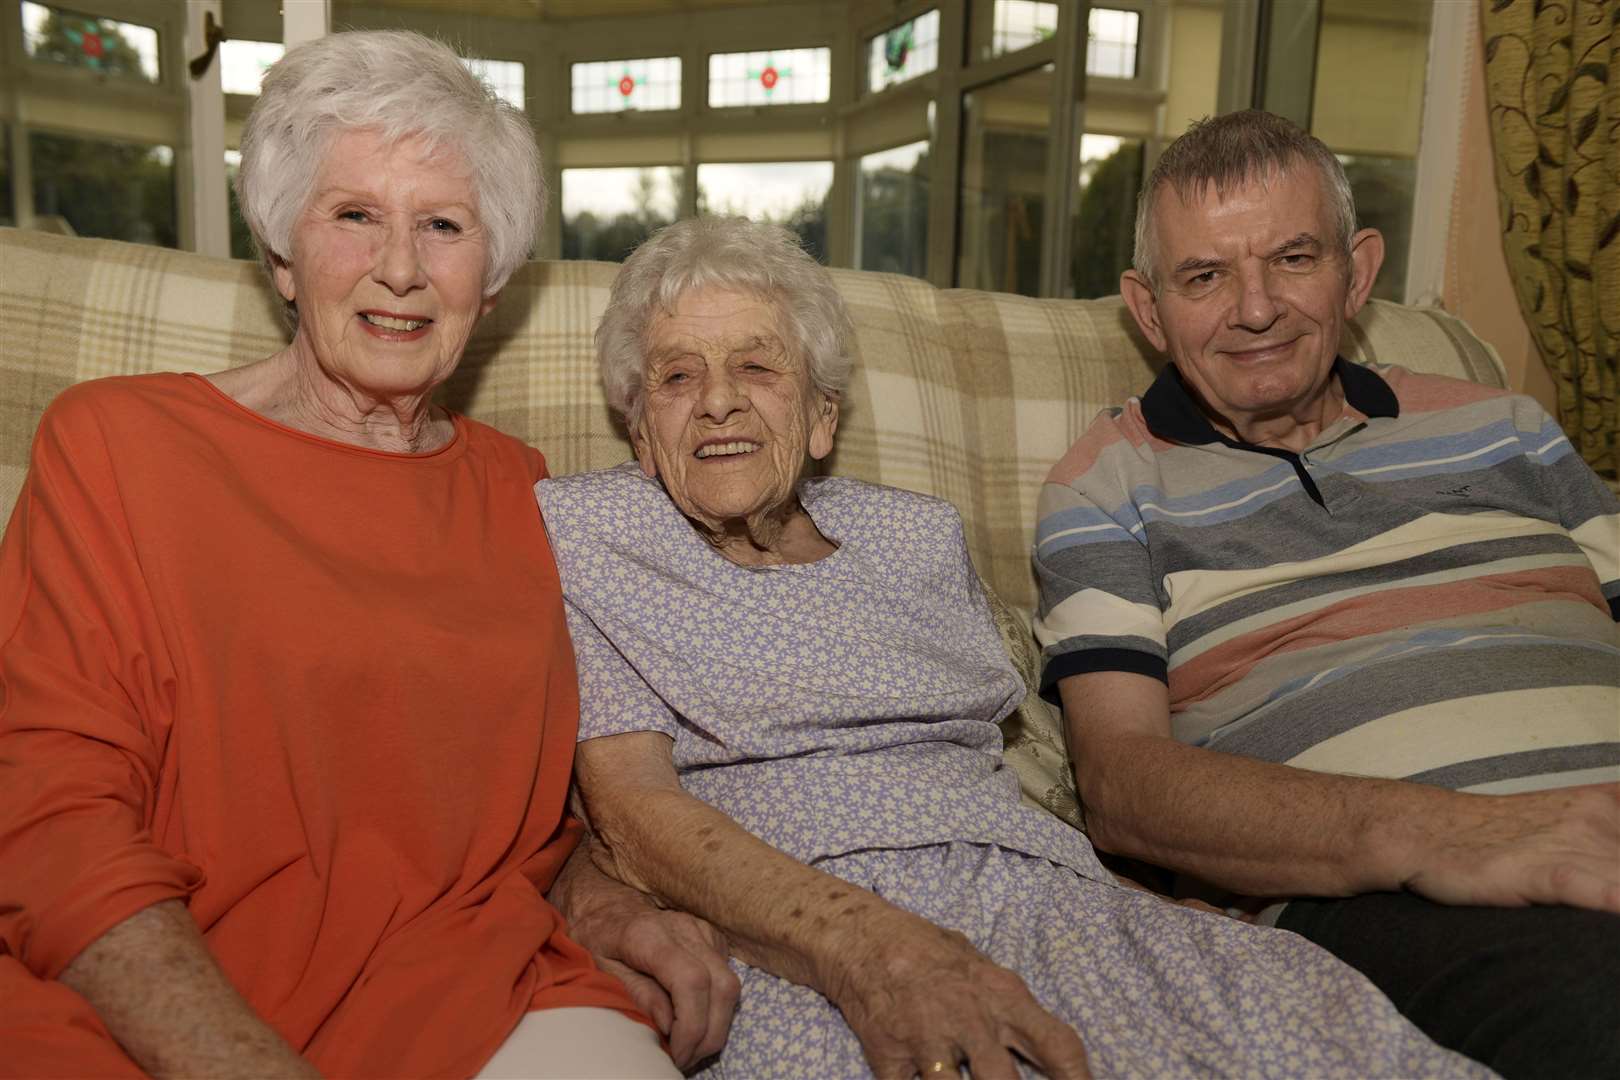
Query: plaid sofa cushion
x=966, y=395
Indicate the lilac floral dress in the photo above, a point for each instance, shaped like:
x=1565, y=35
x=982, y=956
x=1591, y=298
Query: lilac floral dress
x=845, y=711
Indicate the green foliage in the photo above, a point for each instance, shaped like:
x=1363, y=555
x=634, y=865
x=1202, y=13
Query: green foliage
x=585, y=236
x=894, y=219
x=117, y=190
x=1105, y=221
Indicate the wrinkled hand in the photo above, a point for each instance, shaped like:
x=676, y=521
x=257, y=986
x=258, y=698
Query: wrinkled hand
x=674, y=966
x=1543, y=847
x=923, y=1001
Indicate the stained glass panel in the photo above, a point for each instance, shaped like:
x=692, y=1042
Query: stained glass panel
x=774, y=77
x=618, y=85
x=1111, y=47
x=908, y=50
x=107, y=46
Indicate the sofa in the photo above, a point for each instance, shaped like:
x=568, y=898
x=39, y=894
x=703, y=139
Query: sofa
x=962, y=394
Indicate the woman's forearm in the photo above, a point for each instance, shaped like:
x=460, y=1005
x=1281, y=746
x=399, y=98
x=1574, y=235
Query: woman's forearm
x=777, y=913
x=156, y=987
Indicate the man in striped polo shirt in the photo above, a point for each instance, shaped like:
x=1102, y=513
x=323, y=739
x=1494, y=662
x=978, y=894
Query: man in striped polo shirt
x=1343, y=633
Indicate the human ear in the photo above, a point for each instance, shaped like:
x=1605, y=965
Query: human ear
x=643, y=447
x=487, y=304
x=281, y=273
x=1139, y=297
x=823, y=428
x=1366, y=257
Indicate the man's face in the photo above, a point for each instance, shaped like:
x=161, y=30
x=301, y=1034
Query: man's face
x=1253, y=294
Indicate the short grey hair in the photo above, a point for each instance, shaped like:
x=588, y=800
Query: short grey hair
x=725, y=253
x=1228, y=152
x=398, y=84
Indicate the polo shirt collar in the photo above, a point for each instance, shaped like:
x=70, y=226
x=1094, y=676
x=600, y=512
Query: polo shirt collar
x=1171, y=413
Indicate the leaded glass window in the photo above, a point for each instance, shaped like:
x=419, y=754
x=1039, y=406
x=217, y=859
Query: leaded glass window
x=773, y=77
x=106, y=46
x=620, y=85
x=908, y=50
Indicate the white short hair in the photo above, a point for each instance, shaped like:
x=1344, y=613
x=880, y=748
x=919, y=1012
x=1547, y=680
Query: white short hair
x=727, y=253
x=398, y=84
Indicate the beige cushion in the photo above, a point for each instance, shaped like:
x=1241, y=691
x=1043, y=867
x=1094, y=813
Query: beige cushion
x=966, y=395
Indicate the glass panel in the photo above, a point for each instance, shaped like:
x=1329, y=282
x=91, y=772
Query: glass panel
x=505, y=77
x=242, y=64
x=1111, y=46
x=1004, y=140
x=241, y=237
x=106, y=46
x=1018, y=24
x=776, y=77
x=791, y=193
x=617, y=85
x=1384, y=188
x=909, y=50
x=607, y=212
x=894, y=210
x=1104, y=214
x=1367, y=104
x=97, y=187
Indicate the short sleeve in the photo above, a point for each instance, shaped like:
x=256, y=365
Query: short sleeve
x=1582, y=502
x=1099, y=607
x=613, y=698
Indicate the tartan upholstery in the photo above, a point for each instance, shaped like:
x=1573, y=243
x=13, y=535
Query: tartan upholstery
x=967, y=395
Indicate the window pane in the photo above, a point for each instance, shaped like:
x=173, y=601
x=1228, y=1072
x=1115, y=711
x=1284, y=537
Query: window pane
x=791, y=193
x=1105, y=213
x=606, y=213
x=777, y=77
x=242, y=64
x=1384, y=188
x=241, y=237
x=909, y=50
x=97, y=187
x=894, y=210
x=505, y=77
x=1367, y=103
x=1004, y=140
x=1111, y=44
x=617, y=85
x=1014, y=25
x=107, y=46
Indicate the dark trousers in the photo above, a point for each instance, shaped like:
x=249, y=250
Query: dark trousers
x=1530, y=992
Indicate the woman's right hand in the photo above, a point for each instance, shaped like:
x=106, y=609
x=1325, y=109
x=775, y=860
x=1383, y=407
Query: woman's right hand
x=923, y=1001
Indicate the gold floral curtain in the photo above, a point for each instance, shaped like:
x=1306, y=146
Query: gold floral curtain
x=1552, y=84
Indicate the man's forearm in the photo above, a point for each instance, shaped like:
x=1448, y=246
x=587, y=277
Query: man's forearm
x=1272, y=830
x=1251, y=826
x=160, y=993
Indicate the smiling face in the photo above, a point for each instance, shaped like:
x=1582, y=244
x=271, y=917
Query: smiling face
x=387, y=266
x=1254, y=296
x=729, y=414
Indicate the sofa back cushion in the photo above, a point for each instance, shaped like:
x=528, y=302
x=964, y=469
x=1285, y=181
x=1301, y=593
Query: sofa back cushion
x=962, y=394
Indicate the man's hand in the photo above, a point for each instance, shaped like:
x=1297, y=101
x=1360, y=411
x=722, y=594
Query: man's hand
x=673, y=964
x=923, y=1001
x=1543, y=847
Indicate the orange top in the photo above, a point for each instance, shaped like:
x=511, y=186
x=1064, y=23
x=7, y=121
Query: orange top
x=324, y=692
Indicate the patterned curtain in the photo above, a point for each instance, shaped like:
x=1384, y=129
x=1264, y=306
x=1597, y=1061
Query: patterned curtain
x=1552, y=83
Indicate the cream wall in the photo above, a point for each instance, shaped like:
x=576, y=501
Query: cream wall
x=1370, y=63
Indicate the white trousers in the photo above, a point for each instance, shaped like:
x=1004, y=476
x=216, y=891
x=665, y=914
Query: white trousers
x=580, y=1044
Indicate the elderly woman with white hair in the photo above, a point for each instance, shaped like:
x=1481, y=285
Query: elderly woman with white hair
x=287, y=704
x=789, y=693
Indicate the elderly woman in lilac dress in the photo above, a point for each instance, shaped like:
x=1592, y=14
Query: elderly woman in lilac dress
x=789, y=694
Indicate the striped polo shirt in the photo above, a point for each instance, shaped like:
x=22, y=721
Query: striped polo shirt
x=1428, y=592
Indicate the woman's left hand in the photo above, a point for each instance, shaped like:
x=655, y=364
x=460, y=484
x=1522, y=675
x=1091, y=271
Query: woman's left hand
x=923, y=1001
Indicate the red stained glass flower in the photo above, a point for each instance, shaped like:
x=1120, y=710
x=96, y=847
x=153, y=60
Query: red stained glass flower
x=627, y=85
x=767, y=78
x=92, y=45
